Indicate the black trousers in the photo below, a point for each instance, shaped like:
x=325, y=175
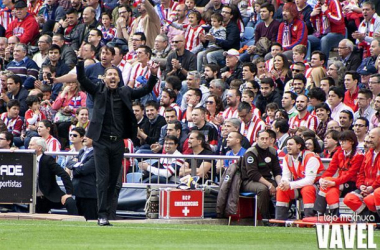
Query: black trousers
x=87, y=207
x=43, y=205
x=108, y=161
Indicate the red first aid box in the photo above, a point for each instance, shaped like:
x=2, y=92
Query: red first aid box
x=177, y=203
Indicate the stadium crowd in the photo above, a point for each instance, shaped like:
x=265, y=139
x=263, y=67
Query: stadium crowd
x=301, y=77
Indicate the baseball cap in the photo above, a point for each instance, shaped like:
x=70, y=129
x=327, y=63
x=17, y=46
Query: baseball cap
x=368, y=70
x=231, y=52
x=20, y=4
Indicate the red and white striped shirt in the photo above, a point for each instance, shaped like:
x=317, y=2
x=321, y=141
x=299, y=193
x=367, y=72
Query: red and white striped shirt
x=14, y=125
x=6, y=17
x=139, y=70
x=192, y=36
x=37, y=7
x=250, y=130
x=230, y=113
x=308, y=121
x=269, y=64
x=175, y=106
x=53, y=144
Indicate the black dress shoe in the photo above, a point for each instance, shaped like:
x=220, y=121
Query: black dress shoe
x=103, y=222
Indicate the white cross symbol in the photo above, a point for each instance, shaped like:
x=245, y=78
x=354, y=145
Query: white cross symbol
x=185, y=211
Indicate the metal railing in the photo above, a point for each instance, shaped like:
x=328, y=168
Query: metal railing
x=174, y=179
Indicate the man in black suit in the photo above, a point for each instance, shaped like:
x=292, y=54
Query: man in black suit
x=84, y=180
x=112, y=121
x=49, y=195
x=349, y=57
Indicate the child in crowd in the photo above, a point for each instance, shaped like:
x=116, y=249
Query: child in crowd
x=12, y=119
x=249, y=96
x=218, y=31
x=270, y=112
x=46, y=108
x=190, y=6
x=299, y=53
x=32, y=116
x=107, y=27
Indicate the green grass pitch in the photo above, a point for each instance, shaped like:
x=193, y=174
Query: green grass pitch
x=17, y=234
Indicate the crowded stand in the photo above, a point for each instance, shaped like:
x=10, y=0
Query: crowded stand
x=264, y=80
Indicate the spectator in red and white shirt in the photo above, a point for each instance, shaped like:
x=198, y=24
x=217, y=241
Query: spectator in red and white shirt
x=168, y=99
x=233, y=101
x=44, y=130
x=7, y=15
x=11, y=118
x=304, y=118
x=251, y=124
x=140, y=72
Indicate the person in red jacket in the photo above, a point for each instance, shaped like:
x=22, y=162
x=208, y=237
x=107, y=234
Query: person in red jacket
x=328, y=22
x=25, y=27
x=363, y=199
x=299, y=173
x=292, y=30
x=346, y=162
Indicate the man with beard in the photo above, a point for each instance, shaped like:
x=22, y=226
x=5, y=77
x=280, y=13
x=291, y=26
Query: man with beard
x=112, y=121
x=122, y=18
x=268, y=94
x=299, y=84
x=304, y=118
x=233, y=101
x=180, y=61
x=168, y=100
x=181, y=19
x=211, y=72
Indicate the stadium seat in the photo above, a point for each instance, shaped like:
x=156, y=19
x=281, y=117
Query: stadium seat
x=134, y=177
x=253, y=196
x=248, y=36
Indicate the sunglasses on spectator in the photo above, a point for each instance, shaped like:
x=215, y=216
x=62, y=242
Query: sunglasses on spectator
x=209, y=102
x=74, y=135
x=296, y=70
x=176, y=41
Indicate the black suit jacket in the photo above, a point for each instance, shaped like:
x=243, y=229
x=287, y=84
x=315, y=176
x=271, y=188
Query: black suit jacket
x=84, y=176
x=99, y=92
x=48, y=170
x=353, y=62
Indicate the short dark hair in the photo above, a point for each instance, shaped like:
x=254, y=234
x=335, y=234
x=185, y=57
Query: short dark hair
x=171, y=93
x=8, y=137
x=177, y=125
x=300, y=77
x=368, y=93
x=152, y=103
x=317, y=93
x=330, y=80
x=147, y=49
x=282, y=125
x=55, y=47
x=267, y=81
x=293, y=95
x=175, y=82
x=276, y=44
x=16, y=79
x=172, y=138
x=355, y=75
x=81, y=131
x=349, y=113
x=268, y=6
x=364, y=119
x=244, y=106
x=107, y=48
x=141, y=34
x=197, y=92
x=338, y=91
x=322, y=55
x=137, y=103
x=31, y=99
x=214, y=67
x=252, y=67
x=98, y=32
x=12, y=103
x=71, y=11
x=334, y=135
